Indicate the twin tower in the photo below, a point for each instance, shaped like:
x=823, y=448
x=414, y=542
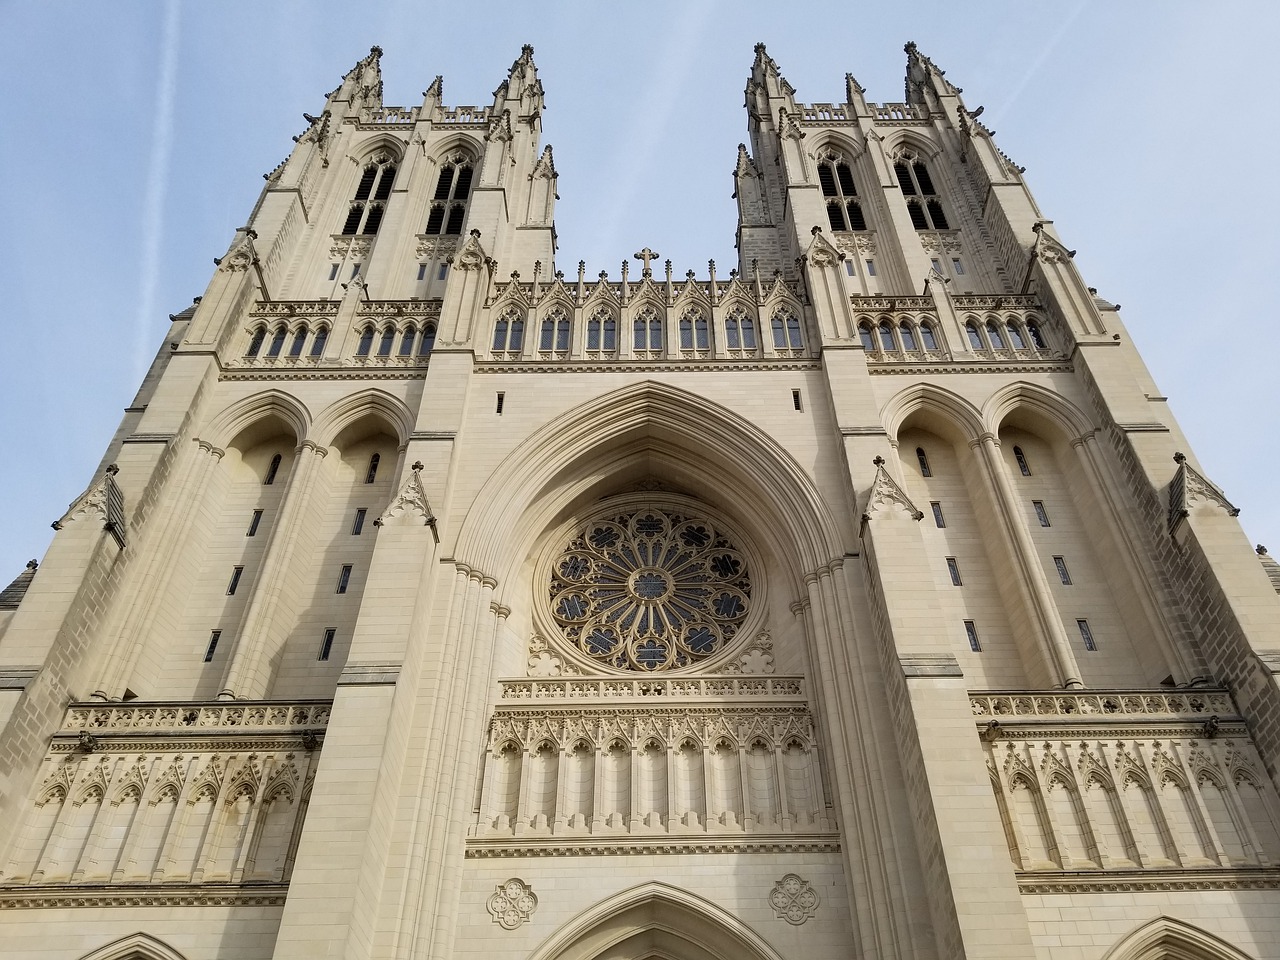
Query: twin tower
x=861, y=599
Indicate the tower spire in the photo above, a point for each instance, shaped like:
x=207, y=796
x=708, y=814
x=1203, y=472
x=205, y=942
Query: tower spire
x=926, y=83
x=361, y=86
x=521, y=92
x=767, y=87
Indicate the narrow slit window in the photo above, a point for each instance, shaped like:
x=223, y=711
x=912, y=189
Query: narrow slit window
x=1022, y=461
x=326, y=645
x=236, y=573
x=444, y=271
x=501, y=397
x=701, y=333
x=871, y=267
x=1063, y=573
x=848, y=268
x=344, y=578
x=272, y=470
x=953, y=568
x=1087, y=636
x=422, y=272
x=971, y=633
x=253, y=524
x=333, y=270
x=1041, y=513
x=355, y=270
x=936, y=263
x=211, y=649
x=957, y=266
x=938, y=519
x=500, y=335
x=924, y=463
x=795, y=399
x=372, y=473
x=357, y=525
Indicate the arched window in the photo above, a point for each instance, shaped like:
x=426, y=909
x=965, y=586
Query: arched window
x=1015, y=336
x=318, y=344
x=449, y=203
x=1022, y=462
x=366, y=342
x=844, y=211
x=732, y=332
x=928, y=337
x=428, y=339
x=406, y=341
x=387, y=342
x=648, y=330
x=517, y=335
x=272, y=470
x=372, y=194
x=593, y=333
x=886, y=336
x=686, y=332
x=794, y=341
x=913, y=178
x=701, y=332
x=255, y=344
x=562, y=333
x=610, y=341
x=924, y=463
x=864, y=334
x=299, y=341
x=372, y=474
x=993, y=334
x=1033, y=331
x=748, y=324
x=908, y=336
x=548, y=334
x=779, y=332
x=277, y=343
x=975, y=338
x=500, y=334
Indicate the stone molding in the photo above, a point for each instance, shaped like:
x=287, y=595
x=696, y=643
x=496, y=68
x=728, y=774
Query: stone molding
x=139, y=895
x=650, y=689
x=485, y=849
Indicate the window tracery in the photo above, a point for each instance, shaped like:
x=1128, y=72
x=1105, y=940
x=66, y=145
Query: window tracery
x=649, y=590
x=372, y=194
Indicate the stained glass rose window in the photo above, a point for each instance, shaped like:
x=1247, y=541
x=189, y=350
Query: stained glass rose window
x=650, y=590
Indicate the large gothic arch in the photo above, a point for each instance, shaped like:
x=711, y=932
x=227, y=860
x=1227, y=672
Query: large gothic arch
x=655, y=920
x=137, y=946
x=1167, y=938
x=647, y=428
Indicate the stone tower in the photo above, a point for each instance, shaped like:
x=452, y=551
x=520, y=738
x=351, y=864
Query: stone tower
x=862, y=600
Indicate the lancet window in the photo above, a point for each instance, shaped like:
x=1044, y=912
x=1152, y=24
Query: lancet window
x=602, y=332
x=844, y=209
x=693, y=331
x=786, y=330
x=740, y=330
x=923, y=202
x=508, y=332
x=372, y=194
x=556, y=332
x=648, y=330
x=449, y=202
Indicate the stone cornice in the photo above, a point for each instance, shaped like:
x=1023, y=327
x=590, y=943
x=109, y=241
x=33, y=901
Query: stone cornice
x=1123, y=881
x=597, y=846
x=142, y=895
x=614, y=365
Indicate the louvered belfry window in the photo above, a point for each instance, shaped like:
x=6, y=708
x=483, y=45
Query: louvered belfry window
x=844, y=209
x=923, y=202
x=370, y=202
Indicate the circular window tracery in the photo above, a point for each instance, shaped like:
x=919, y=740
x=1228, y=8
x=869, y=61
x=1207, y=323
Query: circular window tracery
x=649, y=590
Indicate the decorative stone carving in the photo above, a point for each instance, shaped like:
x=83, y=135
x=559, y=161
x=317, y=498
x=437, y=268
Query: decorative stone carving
x=240, y=256
x=93, y=502
x=472, y=256
x=793, y=899
x=512, y=903
x=887, y=497
x=431, y=247
x=1189, y=489
x=543, y=663
x=756, y=659
x=411, y=498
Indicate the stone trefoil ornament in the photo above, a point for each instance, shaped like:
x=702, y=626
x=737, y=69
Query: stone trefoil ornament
x=512, y=903
x=412, y=497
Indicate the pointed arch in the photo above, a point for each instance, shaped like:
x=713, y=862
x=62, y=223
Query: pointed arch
x=1065, y=417
x=1167, y=938
x=959, y=418
x=581, y=454
x=392, y=145
x=245, y=413
x=659, y=920
x=136, y=946
x=899, y=142
x=347, y=411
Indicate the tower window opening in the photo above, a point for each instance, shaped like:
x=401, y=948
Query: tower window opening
x=318, y=344
x=387, y=342
x=406, y=341
x=500, y=334
x=428, y=342
x=255, y=344
x=449, y=203
x=299, y=341
x=1015, y=337
x=1041, y=514
x=211, y=649
x=928, y=337
x=277, y=343
x=272, y=470
x=871, y=267
x=253, y=524
x=917, y=216
x=236, y=573
x=422, y=272
x=1063, y=574
x=908, y=336
x=953, y=568
x=975, y=338
x=886, y=337
x=993, y=334
x=444, y=271
x=333, y=270
x=501, y=398
x=864, y=334
x=344, y=578
x=849, y=268
x=843, y=210
x=366, y=342
x=924, y=462
x=1037, y=340
x=939, y=520
x=971, y=632
x=795, y=399
x=357, y=525
x=1087, y=636
x=355, y=270
x=957, y=267
x=913, y=178
x=326, y=644
x=1022, y=462
x=372, y=192
x=372, y=473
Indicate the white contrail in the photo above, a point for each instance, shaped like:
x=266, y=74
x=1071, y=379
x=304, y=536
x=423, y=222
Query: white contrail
x=995, y=115
x=145, y=328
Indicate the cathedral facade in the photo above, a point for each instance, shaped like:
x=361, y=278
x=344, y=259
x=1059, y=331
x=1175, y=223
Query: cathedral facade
x=861, y=599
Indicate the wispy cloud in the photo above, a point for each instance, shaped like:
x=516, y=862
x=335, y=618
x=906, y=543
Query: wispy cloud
x=157, y=189
x=1016, y=90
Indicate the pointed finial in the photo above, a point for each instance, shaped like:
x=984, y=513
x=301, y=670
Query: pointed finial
x=1259, y=549
x=878, y=461
x=417, y=466
x=33, y=565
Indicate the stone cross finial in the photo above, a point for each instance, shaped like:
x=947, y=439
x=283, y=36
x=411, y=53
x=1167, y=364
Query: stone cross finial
x=646, y=255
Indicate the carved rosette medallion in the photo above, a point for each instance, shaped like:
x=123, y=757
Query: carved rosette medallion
x=793, y=899
x=649, y=590
x=512, y=903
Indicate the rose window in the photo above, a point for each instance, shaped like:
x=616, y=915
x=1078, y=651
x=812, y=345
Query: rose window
x=650, y=590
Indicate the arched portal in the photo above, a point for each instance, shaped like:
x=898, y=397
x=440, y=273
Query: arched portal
x=655, y=920
x=1166, y=938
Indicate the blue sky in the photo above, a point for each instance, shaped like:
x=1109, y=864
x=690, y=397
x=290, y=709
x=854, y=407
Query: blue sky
x=135, y=136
